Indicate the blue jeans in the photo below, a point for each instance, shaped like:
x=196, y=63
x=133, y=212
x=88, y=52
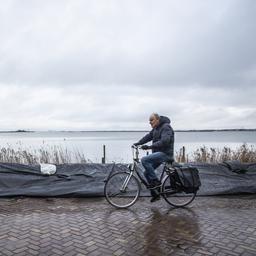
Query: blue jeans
x=151, y=162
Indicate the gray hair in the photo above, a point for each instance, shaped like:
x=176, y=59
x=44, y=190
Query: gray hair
x=156, y=115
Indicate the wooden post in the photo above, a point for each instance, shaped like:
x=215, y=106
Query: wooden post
x=183, y=158
x=103, y=160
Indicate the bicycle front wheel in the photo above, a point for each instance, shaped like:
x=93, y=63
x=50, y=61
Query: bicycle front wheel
x=175, y=197
x=122, y=189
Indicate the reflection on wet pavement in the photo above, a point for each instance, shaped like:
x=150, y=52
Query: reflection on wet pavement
x=175, y=228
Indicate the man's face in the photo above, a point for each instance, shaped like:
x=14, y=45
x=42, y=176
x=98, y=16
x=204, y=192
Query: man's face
x=153, y=121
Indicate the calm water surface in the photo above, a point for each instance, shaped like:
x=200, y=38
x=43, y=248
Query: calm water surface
x=118, y=144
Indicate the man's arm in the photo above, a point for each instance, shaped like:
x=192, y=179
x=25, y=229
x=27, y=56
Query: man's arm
x=148, y=137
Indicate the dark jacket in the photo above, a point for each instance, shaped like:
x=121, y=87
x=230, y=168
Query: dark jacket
x=162, y=137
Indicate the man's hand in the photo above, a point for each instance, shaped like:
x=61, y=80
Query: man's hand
x=135, y=145
x=145, y=147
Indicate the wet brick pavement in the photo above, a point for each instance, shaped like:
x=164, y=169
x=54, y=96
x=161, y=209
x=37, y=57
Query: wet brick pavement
x=90, y=226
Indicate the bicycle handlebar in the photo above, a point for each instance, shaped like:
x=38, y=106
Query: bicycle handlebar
x=136, y=153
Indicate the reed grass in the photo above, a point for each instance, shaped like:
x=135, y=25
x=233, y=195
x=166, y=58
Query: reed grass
x=53, y=155
x=61, y=155
x=244, y=153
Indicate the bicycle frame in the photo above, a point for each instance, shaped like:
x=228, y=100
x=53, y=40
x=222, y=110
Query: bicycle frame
x=133, y=168
x=136, y=160
x=126, y=182
x=122, y=189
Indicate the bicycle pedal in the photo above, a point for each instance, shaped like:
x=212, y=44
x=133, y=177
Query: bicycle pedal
x=155, y=186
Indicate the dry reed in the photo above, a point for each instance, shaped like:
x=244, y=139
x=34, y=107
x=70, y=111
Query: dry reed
x=54, y=155
x=60, y=155
x=244, y=153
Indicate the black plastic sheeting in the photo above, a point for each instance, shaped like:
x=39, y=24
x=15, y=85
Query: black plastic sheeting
x=87, y=180
x=227, y=178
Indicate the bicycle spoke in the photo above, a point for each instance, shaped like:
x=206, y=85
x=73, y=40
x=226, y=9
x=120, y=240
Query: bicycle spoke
x=127, y=195
x=175, y=197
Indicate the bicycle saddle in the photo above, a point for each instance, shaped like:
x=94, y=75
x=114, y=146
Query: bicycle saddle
x=172, y=163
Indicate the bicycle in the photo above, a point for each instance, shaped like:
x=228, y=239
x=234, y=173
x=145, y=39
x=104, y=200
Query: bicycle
x=122, y=189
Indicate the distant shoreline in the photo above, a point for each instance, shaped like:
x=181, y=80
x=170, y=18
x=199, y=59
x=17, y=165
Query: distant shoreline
x=17, y=131
x=218, y=130
x=190, y=130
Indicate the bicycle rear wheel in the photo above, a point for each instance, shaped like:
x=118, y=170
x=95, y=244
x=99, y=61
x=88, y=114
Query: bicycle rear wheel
x=122, y=190
x=175, y=197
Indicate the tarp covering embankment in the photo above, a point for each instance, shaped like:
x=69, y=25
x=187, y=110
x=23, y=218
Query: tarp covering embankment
x=87, y=180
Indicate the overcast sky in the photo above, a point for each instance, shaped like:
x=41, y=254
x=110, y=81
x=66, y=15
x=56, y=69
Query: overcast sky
x=106, y=65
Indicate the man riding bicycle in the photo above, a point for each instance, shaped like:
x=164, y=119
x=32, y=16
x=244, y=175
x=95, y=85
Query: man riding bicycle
x=162, y=137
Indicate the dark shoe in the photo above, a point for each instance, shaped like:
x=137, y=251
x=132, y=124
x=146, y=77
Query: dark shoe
x=154, y=192
x=154, y=184
x=154, y=199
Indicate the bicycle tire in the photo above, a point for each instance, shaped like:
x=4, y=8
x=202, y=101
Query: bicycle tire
x=118, y=197
x=176, y=198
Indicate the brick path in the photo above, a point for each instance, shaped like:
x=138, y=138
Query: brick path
x=90, y=226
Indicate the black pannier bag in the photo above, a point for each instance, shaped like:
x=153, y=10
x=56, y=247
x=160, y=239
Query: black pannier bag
x=189, y=178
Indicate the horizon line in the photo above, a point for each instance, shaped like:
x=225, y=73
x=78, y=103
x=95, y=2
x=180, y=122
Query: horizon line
x=178, y=130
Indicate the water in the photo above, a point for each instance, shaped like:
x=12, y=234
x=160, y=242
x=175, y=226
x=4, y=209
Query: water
x=118, y=143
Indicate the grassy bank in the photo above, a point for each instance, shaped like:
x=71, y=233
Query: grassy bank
x=54, y=155
x=245, y=154
x=60, y=155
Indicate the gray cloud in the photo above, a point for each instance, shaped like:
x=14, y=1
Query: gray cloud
x=74, y=43
x=96, y=64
